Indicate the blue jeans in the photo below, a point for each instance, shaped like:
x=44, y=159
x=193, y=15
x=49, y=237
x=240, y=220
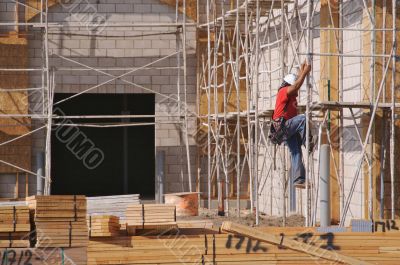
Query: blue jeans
x=296, y=137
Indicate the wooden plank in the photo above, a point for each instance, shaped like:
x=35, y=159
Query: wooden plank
x=329, y=18
x=150, y=216
x=38, y=256
x=103, y=226
x=292, y=244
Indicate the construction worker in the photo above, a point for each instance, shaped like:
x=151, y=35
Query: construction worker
x=287, y=126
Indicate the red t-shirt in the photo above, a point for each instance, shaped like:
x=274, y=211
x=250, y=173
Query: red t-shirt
x=282, y=100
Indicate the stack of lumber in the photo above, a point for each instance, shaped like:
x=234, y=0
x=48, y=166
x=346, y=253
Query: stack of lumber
x=150, y=216
x=43, y=256
x=60, y=220
x=111, y=205
x=14, y=219
x=244, y=245
x=14, y=226
x=103, y=226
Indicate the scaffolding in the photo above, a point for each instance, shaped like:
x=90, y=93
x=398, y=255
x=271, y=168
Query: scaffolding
x=45, y=115
x=239, y=81
x=245, y=48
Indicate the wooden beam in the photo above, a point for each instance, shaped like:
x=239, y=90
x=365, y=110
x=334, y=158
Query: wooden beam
x=289, y=243
x=329, y=90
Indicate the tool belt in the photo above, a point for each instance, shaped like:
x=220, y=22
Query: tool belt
x=277, y=133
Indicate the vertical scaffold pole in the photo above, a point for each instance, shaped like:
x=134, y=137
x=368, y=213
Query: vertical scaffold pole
x=208, y=105
x=238, y=108
x=308, y=91
x=393, y=113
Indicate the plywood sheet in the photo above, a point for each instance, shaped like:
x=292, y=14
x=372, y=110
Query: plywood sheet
x=191, y=7
x=14, y=55
x=36, y=4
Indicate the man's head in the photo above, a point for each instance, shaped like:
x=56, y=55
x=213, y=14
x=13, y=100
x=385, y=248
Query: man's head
x=290, y=79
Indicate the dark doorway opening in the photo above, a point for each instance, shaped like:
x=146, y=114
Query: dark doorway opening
x=104, y=161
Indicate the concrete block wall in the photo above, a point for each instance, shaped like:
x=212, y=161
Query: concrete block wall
x=122, y=49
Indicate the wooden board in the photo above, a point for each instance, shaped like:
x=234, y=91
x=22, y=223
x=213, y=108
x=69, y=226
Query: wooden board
x=58, y=207
x=288, y=243
x=36, y=5
x=45, y=256
x=14, y=219
x=61, y=234
x=152, y=216
x=103, y=226
x=329, y=18
x=376, y=248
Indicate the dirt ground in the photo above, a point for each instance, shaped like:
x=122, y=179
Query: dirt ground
x=246, y=218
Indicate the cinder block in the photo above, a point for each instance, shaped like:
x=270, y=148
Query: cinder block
x=169, y=142
x=162, y=133
x=88, y=80
x=158, y=44
x=141, y=44
x=151, y=52
x=174, y=187
x=133, y=53
x=144, y=80
x=124, y=44
x=125, y=8
x=115, y=52
x=106, y=44
x=142, y=8
x=106, y=8
x=160, y=9
x=160, y=80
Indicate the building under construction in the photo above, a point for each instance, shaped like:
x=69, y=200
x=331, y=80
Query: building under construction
x=151, y=97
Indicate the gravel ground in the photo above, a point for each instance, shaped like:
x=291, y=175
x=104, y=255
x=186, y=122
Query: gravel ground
x=246, y=218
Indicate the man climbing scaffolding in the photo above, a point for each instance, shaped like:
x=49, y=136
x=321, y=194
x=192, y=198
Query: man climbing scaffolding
x=287, y=126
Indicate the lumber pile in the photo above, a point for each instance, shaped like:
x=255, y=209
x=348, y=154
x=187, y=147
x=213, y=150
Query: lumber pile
x=249, y=246
x=151, y=216
x=14, y=219
x=14, y=226
x=111, y=205
x=103, y=226
x=60, y=221
x=43, y=256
